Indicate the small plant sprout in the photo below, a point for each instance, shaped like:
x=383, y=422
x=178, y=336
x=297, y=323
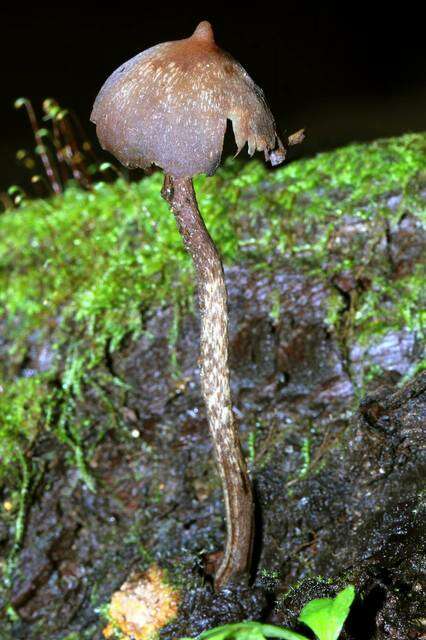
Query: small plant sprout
x=61, y=146
x=169, y=106
x=42, y=150
x=324, y=616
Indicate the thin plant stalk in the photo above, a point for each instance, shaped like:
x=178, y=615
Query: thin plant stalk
x=48, y=166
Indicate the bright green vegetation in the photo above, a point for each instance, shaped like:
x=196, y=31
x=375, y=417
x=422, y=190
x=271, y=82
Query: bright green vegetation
x=324, y=616
x=82, y=271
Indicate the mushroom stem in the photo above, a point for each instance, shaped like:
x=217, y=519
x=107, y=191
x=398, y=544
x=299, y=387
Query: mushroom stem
x=238, y=496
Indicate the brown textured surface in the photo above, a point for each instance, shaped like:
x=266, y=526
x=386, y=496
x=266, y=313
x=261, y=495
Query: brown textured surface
x=169, y=106
x=354, y=517
x=215, y=388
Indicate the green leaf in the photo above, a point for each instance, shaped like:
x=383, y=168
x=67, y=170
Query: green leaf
x=248, y=631
x=326, y=616
x=270, y=631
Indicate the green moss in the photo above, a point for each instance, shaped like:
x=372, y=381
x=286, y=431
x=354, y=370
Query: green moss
x=391, y=304
x=81, y=271
x=23, y=411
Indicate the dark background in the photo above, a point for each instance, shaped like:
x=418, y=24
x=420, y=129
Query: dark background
x=344, y=74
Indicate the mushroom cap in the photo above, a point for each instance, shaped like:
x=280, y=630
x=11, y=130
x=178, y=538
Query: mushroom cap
x=169, y=106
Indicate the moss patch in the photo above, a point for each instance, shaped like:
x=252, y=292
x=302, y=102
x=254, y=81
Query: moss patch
x=80, y=272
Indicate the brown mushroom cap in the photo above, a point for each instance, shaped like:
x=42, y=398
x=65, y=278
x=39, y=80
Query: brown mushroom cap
x=169, y=106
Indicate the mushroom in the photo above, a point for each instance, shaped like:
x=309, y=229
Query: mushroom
x=169, y=106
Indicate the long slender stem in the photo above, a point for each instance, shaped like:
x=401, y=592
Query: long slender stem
x=47, y=163
x=235, y=563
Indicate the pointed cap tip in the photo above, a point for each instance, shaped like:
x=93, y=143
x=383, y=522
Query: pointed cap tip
x=204, y=31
